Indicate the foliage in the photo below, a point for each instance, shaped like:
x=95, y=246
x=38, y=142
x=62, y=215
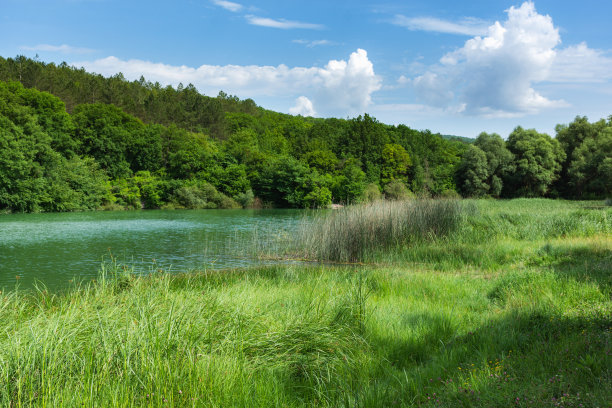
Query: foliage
x=113, y=133
x=590, y=171
x=371, y=193
x=397, y=190
x=34, y=176
x=200, y=195
x=499, y=160
x=473, y=173
x=537, y=162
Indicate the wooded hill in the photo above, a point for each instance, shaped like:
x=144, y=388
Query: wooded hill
x=72, y=140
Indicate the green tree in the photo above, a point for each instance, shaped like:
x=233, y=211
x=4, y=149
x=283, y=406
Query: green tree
x=473, y=173
x=571, y=138
x=349, y=183
x=324, y=161
x=537, y=162
x=499, y=160
x=282, y=182
x=105, y=133
x=395, y=163
x=590, y=171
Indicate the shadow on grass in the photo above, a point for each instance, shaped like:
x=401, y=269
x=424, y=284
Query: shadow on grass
x=585, y=263
x=519, y=360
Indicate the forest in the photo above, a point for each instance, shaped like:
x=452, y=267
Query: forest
x=72, y=141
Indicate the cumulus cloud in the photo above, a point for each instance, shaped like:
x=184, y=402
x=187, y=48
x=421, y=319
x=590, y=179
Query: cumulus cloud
x=303, y=106
x=64, y=49
x=281, y=23
x=339, y=88
x=466, y=26
x=493, y=75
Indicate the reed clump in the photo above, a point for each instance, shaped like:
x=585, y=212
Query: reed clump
x=350, y=233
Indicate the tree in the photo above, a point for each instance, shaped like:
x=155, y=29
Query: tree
x=281, y=182
x=537, y=161
x=473, y=173
x=499, y=160
x=590, y=172
x=395, y=163
x=33, y=176
x=349, y=183
x=105, y=133
x=572, y=137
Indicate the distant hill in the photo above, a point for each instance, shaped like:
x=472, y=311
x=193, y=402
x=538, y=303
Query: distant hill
x=464, y=139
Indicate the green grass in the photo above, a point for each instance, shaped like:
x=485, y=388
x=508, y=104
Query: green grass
x=351, y=233
x=513, y=308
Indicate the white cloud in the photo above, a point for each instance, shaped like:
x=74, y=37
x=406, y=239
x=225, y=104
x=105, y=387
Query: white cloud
x=311, y=44
x=303, y=106
x=64, y=49
x=403, y=80
x=340, y=88
x=493, y=75
x=228, y=5
x=433, y=89
x=580, y=64
x=281, y=23
x=466, y=26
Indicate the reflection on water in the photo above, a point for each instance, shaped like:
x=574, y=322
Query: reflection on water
x=55, y=248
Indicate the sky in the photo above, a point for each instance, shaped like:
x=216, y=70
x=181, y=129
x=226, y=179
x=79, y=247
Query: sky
x=454, y=67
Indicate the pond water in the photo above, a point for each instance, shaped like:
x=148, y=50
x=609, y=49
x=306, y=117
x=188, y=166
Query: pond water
x=57, y=248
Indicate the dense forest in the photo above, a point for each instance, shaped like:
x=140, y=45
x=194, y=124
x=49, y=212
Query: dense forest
x=72, y=140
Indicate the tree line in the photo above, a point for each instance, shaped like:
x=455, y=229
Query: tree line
x=71, y=140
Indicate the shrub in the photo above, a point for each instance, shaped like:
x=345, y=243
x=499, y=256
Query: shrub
x=319, y=197
x=450, y=194
x=246, y=199
x=202, y=195
x=397, y=190
x=371, y=193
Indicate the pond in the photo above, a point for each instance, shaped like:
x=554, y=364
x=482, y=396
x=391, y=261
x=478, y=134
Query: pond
x=56, y=249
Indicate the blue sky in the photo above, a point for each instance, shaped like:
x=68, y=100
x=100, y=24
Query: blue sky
x=452, y=67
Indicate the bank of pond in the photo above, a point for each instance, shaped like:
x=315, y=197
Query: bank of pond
x=471, y=303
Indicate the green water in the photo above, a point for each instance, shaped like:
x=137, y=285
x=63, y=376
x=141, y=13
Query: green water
x=57, y=248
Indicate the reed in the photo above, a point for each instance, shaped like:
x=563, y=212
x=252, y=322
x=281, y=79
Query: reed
x=350, y=233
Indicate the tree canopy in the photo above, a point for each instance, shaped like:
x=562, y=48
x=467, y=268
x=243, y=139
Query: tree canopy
x=70, y=140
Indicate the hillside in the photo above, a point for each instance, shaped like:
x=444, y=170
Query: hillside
x=75, y=140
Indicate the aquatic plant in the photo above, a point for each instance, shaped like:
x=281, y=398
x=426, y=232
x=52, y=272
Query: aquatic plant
x=347, y=234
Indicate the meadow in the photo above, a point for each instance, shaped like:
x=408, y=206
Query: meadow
x=471, y=303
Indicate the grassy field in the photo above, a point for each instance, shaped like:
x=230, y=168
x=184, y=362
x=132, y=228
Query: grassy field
x=508, y=307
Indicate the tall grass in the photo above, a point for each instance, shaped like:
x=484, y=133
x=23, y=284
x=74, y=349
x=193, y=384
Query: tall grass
x=536, y=333
x=348, y=234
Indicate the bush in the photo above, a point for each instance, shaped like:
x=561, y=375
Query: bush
x=350, y=233
x=371, y=193
x=319, y=197
x=246, y=200
x=450, y=194
x=397, y=190
x=202, y=195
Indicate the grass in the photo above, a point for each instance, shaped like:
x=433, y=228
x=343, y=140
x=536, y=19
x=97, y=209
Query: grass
x=511, y=308
x=350, y=233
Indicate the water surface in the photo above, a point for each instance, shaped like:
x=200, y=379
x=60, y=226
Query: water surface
x=57, y=248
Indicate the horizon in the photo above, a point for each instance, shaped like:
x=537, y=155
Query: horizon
x=453, y=69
